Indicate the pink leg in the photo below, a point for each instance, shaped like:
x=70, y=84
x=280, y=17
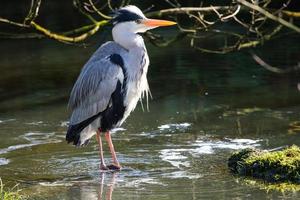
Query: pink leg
x=116, y=165
x=102, y=164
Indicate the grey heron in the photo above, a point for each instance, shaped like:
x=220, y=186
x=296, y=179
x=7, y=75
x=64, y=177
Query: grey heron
x=112, y=82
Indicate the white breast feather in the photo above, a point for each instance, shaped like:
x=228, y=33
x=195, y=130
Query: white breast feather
x=137, y=84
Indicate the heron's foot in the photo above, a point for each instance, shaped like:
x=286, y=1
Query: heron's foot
x=114, y=167
x=103, y=167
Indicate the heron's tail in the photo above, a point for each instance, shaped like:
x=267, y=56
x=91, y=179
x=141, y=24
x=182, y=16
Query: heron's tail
x=74, y=132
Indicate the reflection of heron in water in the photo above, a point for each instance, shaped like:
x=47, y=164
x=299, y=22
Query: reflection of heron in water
x=110, y=188
x=112, y=82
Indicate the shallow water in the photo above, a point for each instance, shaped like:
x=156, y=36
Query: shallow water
x=204, y=107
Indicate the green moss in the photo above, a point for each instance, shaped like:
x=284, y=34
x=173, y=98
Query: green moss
x=9, y=194
x=282, y=187
x=277, y=166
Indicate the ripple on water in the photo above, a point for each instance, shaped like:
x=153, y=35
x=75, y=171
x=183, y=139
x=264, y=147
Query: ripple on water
x=167, y=130
x=4, y=161
x=182, y=174
x=35, y=123
x=64, y=123
x=209, y=147
x=138, y=183
x=40, y=137
x=175, y=157
x=117, y=130
x=15, y=147
x=34, y=138
x=178, y=157
x=56, y=183
x=6, y=120
x=174, y=126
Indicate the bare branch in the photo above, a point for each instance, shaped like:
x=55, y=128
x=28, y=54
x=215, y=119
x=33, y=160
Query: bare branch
x=278, y=70
x=64, y=38
x=33, y=12
x=257, y=42
x=250, y=32
x=185, y=10
x=158, y=41
x=291, y=13
x=98, y=11
x=232, y=15
x=269, y=15
x=13, y=23
x=109, y=5
x=21, y=36
x=81, y=8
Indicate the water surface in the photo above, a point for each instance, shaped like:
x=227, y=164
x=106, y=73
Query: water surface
x=204, y=107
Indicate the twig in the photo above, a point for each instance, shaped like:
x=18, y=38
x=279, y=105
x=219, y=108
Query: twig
x=79, y=30
x=216, y=11
x=21, y=36
x=109, y=5
x=171, y=3
x=291, y=13
x=278, y=70
x=33, y=12
x=165, y=43
x=98, y=11
x=257, y=42
x=78, y=5
x=13, y=23
x=221, y=50
x=64, y=38
x=184, y=10
x=240, y=22
x=231, y=15
x=269, y=15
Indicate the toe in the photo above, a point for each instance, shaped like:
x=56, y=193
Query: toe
x=114, y=167
x=103, y=167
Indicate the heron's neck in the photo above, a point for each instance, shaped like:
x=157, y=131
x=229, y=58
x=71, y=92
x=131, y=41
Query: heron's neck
x=128, y=40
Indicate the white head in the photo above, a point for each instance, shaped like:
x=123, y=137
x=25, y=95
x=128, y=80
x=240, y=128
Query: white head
x=129, y=21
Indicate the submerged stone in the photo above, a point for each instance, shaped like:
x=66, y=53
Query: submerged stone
x=274, y=167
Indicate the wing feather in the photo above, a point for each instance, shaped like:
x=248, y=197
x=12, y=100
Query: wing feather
x=97, y=81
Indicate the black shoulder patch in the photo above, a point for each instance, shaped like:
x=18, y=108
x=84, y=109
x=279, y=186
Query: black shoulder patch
x=117, y=59
x=113, y=114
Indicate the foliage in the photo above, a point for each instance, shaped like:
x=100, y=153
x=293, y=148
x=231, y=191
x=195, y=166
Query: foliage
x=10, y=194
x=276, y=166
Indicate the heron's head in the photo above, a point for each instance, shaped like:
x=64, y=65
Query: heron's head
x=131, y=19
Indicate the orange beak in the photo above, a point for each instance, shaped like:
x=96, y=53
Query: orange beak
x=157, y=22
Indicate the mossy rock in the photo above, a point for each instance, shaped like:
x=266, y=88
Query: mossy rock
x=284, y=187
x=276, y=166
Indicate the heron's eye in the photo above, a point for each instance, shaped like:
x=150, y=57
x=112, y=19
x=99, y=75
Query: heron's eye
x=138, y=21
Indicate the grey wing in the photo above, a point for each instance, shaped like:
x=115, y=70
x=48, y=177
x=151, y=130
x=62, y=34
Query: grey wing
x=93, y=89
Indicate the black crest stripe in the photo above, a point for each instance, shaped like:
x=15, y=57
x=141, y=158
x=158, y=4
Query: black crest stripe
x=125, y=16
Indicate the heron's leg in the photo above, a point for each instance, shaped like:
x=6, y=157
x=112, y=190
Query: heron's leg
x=102, y=164
x=111, y=187
x=116, y=165
x=102, y=176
